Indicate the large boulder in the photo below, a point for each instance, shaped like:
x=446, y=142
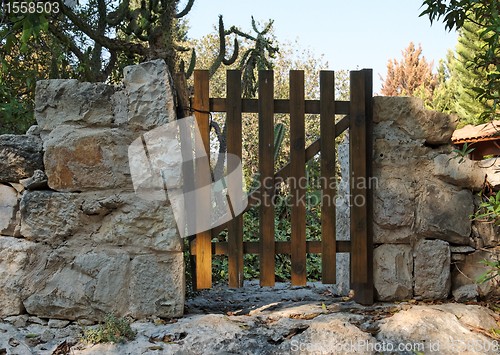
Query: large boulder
x=440, y=329
x=85, y=159
x=20, y=156
x=443, y=212
x=393, y=272
x=432, y=269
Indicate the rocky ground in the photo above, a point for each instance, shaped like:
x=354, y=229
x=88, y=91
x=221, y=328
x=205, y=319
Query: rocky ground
x=283, y=320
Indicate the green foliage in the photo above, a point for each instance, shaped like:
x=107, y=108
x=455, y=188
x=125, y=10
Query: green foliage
x=113, y=330
x=493, y=271
x=462, y=153
x=484, y=14
x=489, y=209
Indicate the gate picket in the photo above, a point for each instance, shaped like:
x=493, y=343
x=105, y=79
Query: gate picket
x=297, y=177
x=266, y=170
x=328, y=179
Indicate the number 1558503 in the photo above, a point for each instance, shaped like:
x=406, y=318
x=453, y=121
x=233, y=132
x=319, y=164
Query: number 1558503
x=30, y=7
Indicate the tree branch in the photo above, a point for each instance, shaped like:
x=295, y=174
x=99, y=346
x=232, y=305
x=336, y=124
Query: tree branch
x=109, y=43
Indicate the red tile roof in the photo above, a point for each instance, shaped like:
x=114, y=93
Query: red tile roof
x=483, y=132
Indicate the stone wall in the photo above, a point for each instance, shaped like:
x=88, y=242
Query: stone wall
x=76, y=242
x=426, y=246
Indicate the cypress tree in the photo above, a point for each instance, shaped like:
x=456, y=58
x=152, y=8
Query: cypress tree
x=465, y=76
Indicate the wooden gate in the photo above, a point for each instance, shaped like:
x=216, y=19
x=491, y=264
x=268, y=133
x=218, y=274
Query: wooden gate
x=357, y=119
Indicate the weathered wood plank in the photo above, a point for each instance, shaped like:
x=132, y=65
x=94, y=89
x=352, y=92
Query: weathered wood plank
x=312, y=247
x=234, y=144
x=203, y=239
x=358, y=135
x=280, y=106
x=328, y=178
x=266, y=170
x=296, y=180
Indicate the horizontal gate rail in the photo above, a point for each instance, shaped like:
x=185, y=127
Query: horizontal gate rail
x=280, y=106
x=312, y=247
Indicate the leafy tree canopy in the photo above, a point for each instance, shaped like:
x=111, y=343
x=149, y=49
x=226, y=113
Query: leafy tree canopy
x=486, y=15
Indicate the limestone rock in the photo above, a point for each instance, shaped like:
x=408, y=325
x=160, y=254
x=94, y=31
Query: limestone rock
x=409, y=115
x=90, y=283
x=469, y=272
x=329, y=335
x=112, y=218
x=61, y=102
x=443, y=212
x=49, y=217
x=393, y=203
x=465, y=174
x=83, y=159
x=14, y=260
x=393, y=268
x=9, y=206
x=488, y=232
x=20, y=156
x=465, y=293
x=441, y=329
x=150, y=94
x=432, y=269
x=37, y=182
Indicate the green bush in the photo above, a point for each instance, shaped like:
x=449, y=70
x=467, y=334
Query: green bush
x=113, y=330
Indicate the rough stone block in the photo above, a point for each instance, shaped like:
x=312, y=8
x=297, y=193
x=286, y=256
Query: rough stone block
x=443, y=212
x=88, y=283
x=150, y=95
x=488, y=232
x=49, y=217
x=111, y=218
x=14, y=261
x=9, y=207
x=394, y=203
x=393, y=268
x=409, y=115
x=61, y=101
x=20, y=156
x=84, y=159
x=432, y=269
x=468, y=273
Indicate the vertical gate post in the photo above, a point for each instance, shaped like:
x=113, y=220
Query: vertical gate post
x=360, y=149
x=201, y=103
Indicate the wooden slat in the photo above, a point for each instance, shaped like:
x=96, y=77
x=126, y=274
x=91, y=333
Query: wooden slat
x=297, y=177
x=340, y=127
x=234, y=143
x=367, y=296
x=280, y=106
x=203, y=239
x=359, y=213
x=328, y=178
x=266, y=169
x=312, y=247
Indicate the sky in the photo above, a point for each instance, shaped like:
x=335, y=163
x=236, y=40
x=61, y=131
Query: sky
x=352, y=34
